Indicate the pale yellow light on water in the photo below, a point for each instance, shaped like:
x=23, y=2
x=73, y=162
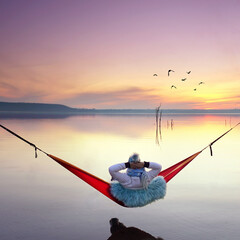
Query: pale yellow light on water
x=205, y=193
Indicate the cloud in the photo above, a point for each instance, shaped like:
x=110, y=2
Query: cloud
x=32, y=97
x=132, y=97
x=10, y=92
x=6, y=86
x=129, y=97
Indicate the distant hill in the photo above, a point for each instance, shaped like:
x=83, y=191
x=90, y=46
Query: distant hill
x=39, y=108
x=13, y=108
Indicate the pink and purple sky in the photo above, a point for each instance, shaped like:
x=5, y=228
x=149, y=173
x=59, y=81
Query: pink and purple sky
x=103, y=53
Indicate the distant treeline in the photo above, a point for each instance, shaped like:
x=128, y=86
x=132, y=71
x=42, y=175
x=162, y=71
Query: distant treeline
x=41, y=108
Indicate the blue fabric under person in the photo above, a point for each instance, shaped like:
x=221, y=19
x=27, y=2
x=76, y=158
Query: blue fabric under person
x=140, y=197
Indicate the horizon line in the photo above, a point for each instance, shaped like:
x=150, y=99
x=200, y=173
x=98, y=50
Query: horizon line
x=93, y=108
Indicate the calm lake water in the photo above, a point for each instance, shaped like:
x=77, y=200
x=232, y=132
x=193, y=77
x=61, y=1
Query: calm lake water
x=41, y=200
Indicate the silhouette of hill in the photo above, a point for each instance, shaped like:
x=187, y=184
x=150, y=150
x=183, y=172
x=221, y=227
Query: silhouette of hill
x=39, y=107
x=14, y=108
x=39, y=110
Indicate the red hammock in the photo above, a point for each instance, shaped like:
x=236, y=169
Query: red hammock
x=103, y=186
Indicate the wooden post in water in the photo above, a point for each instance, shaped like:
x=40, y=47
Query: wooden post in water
x=158, y=124
x=157, y=112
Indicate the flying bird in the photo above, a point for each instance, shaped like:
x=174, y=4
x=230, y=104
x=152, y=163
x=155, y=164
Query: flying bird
x=188, y=72
x=184, y=79
x=173, y=87
x=155, y=75
x=194, y=89
x=201, y=83
x=170, y=71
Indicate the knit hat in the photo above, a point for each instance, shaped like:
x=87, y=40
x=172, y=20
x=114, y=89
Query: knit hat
x=134, y=158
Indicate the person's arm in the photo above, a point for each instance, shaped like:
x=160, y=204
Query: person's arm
x=155, y=170
x=114, y=171
x=118, y=167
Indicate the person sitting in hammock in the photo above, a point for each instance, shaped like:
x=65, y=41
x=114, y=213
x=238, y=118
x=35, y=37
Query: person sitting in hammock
x=136, y=177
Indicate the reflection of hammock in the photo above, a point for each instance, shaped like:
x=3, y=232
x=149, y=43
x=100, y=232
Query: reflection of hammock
x=103, y=186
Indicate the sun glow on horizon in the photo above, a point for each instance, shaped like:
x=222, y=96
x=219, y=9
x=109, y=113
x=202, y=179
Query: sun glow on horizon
x=105, y=57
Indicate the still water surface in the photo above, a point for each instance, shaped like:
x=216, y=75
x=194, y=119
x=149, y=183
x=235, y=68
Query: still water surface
x=41, y=200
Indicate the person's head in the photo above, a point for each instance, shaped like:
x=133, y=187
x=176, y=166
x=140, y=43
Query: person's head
x=134, y=158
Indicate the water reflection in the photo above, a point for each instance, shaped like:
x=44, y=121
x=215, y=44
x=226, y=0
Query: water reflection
x=38, y=196
x=120, y=232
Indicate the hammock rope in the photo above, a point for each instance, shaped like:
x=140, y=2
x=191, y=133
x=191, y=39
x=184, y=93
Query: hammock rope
x=210, y=145
x=23, y=139
x=103, y=186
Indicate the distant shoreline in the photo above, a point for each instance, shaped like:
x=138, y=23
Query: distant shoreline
x=8, y=109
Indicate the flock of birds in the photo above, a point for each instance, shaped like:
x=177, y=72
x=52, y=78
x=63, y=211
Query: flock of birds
x=183, y=79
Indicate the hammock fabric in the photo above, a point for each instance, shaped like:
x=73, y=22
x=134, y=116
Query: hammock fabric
x=103, y=186
x=99, y=184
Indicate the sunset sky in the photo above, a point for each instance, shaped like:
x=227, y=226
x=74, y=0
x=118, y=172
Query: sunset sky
x=103, y=54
